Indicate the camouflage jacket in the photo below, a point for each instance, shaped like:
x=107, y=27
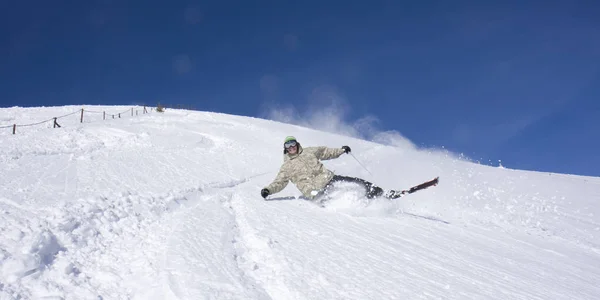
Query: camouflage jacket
x=305, y=170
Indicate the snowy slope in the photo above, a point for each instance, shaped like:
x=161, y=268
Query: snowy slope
x=167, y=206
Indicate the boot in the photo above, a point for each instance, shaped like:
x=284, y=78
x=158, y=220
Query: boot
x=392, y=194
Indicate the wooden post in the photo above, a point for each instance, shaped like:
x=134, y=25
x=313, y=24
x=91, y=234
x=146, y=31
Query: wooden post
x=81, y=116
x=103, y=115
x=119, y=115
x=145, y=111
x=14, y=128
x=113, y=116
x=136, y=112
x=132, y=111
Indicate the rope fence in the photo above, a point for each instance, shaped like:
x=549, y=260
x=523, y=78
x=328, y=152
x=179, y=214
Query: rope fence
x=81, y=113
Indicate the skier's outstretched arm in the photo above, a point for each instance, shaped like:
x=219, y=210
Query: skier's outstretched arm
x=325, y=153
x=279, y=183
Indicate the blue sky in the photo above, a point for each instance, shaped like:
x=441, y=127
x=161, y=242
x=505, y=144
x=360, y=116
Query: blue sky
x=517, y=81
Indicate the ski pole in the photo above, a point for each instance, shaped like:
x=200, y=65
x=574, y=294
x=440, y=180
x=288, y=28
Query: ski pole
x=360, y=163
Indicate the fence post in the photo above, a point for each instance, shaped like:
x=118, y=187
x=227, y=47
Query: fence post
x=145, y=111
x=14, y=128
x=132, y=111
x=113, y=116
x=136, y=112
x=119, y=115
x=103, y=115
x=81, y=116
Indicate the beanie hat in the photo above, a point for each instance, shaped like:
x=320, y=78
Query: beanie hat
x=289, y=138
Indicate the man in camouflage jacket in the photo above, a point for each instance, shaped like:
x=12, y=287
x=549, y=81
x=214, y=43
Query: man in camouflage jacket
x=302, y=167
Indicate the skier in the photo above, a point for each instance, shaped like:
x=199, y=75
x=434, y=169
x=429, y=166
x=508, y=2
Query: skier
x=302, y=167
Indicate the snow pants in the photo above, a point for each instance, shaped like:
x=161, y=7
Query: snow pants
x=371, y=190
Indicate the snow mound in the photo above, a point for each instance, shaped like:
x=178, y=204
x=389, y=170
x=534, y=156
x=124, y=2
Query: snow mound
x=349, y=198
x=61, y=246
x=33, y=259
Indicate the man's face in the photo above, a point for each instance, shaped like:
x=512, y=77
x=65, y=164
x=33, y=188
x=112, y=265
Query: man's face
x=291, y=147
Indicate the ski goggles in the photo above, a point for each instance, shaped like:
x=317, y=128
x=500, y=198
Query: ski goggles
x=289, y=144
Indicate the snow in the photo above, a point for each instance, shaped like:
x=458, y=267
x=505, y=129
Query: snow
x=168, y=206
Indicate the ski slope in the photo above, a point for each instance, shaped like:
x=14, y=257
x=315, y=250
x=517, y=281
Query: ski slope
x=168, y=206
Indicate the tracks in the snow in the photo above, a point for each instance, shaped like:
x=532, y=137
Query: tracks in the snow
x=258, y=256
x=213, y=250
x=204, y=248
x=200, y=259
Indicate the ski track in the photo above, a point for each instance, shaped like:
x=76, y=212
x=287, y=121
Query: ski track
x=205, y=239
x=260, y=257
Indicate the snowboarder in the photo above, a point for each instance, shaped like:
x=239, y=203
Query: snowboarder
x=302, y=167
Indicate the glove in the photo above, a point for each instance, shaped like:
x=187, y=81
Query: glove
x=346, y=149
x=264, y=193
